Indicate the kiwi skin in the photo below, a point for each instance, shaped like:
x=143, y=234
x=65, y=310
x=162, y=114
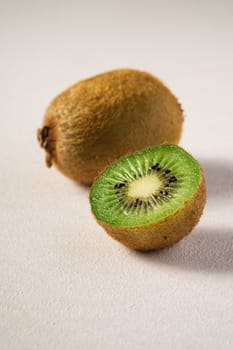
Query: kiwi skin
x=99, y=120
x=164, y=232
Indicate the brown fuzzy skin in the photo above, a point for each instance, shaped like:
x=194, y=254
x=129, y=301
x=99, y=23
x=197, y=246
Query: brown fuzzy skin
x=99, y=120
x=165, y=232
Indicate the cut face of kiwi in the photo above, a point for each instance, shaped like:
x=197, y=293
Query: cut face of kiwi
x=150, y=199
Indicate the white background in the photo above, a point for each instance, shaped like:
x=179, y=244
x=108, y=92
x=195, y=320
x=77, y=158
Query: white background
x=64, y=284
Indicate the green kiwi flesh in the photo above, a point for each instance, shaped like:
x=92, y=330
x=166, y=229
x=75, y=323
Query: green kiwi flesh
x=147, y=188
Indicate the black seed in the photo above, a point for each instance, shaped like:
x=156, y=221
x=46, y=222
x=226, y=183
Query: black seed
x=120, y=185
x=172, y=179
x=164, y=193
x=154, y=167
x=167, y=185
x=167, y=171
x=140, y=202
x=158, y=169
x=135, y=203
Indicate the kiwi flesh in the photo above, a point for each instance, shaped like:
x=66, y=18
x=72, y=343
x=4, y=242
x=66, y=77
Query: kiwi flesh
x=98, y=120
x=150, y=199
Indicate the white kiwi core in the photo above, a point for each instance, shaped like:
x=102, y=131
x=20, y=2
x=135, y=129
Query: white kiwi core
x=144, y=187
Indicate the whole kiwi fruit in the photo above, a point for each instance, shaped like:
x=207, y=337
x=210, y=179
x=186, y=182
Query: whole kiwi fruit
x=150, y=199
x=98, y=120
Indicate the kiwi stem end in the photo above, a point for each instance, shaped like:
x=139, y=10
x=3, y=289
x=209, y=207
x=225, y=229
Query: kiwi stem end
x=42, y=136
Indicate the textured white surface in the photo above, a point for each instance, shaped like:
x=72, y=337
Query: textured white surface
x=64, y=284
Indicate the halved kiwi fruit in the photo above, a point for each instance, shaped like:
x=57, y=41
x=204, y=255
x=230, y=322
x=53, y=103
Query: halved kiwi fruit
x=98, y=120
x=151, y=198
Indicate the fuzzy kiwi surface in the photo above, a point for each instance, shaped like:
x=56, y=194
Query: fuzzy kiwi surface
x=150, y=199
x=99, y=120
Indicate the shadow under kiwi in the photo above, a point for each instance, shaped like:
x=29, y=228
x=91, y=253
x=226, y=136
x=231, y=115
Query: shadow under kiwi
x=219, y=178
x=82, y=187
x=206, y=249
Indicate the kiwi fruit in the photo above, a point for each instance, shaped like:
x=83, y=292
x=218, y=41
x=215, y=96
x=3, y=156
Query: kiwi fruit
x=150, y=199
x=99, y=120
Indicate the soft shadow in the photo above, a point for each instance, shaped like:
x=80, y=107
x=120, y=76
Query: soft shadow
x=219, y=178
x=81, y=187
x=206, y=249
